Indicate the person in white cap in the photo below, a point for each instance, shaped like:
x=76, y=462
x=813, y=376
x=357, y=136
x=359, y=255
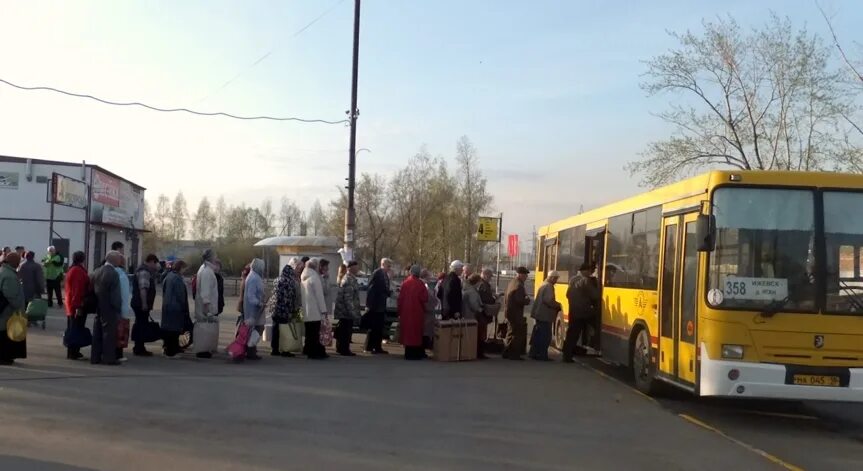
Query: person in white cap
x=544, y=313
x=451, y=294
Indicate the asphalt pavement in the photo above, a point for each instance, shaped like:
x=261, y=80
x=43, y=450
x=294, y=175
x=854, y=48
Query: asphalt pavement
x=382, y=412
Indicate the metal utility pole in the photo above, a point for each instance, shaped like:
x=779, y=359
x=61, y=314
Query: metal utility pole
x=350, y=212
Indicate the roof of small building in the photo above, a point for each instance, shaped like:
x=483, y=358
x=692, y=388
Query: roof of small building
x=301, y=241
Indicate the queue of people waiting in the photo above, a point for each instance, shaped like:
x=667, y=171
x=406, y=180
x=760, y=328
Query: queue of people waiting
x=302, y=300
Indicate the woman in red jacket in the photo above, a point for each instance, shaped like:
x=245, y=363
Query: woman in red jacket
x=77, y=285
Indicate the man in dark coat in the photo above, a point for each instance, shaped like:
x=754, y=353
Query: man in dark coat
x=32, y=278
x=143, y=297
x=583, y=296
x=376, y=304
x=106, y=283
x=515, y=301
x=451, y=301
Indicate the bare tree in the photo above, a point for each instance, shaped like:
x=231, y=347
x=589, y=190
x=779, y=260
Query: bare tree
x=316, y=222
x=765, y=99
x=204, y=222
x=163, y=217
x=179, y=217
x=267, y=218
x=289, y=217
x=221, y=216
x=473, y=196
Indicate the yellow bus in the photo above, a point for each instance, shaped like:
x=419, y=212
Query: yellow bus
x=732, y=283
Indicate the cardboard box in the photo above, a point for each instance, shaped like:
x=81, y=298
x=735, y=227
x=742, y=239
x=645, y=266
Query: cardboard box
x=455, y=340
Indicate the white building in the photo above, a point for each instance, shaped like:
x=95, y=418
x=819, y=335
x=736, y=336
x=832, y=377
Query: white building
x=94, y=208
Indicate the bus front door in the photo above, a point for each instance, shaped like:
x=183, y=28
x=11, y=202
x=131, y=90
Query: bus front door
x=677, y=307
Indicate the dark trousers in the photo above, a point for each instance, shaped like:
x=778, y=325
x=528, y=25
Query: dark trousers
x=104, y=349
x=170, y=343
x=344, y=332
x=312, y=347
x=573, y=332
x=540, y=340
x=375, y=337
x=142, y=318
x=516, y=338
x=53, y=287
x=274, y=338
x=481, y=334
x=77, y=321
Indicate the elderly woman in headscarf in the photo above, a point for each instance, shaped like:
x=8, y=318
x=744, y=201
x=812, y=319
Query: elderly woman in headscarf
x=413, y=297
x=286, y=309
x=347, y=309
x=253, y=304
x=314, y=310
x=206, y=307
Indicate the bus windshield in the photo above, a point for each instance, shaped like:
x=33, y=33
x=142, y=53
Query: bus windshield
x=764, y=257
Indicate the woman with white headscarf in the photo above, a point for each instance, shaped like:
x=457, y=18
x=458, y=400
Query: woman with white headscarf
x=253, y=304
x=314, y=310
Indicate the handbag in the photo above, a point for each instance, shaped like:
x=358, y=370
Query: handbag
x=147, y=332
x=122, y=333
x=326, y=335
x=77, y=336
x=254, y=338
x=16, y=327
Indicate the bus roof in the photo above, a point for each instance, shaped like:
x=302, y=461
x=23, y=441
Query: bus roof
x=701, y=185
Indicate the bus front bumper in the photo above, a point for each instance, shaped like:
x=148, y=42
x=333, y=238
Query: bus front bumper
x=768, y=380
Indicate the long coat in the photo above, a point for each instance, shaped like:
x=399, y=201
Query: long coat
x=314, y=303
x=413, y=297
x=32, y=279
x=379, y=291
x=348, y=299
x=472, y=303
x=515, y=300
x=451, y=301
x=545, y=307
x=11, y=289
x=106, y=283
x=175, y=303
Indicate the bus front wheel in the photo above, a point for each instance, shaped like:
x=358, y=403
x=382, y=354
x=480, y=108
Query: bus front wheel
x=643, y=369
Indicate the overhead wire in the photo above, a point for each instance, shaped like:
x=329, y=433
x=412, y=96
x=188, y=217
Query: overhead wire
x=271, y=51
x=168, y=110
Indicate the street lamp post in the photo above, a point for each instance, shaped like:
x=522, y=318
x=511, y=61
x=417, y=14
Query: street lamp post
x=350, y=212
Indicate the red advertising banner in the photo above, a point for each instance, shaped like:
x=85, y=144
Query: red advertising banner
x=512, y=247
x=106, y=189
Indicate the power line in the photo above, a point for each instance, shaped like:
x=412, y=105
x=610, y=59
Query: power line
x=271, y=51
x=169, y=110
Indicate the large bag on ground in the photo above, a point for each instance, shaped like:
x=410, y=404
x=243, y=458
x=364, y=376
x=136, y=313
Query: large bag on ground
x=148, y=332
x=77, y=336
x=16, y=327
x=206, y=335
x=37, y=309
x=291, y=337
x=237, y=349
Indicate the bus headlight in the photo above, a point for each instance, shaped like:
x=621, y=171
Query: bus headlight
x=734, y=352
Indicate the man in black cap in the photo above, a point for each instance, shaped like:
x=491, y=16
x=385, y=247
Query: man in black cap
x=516, y=300
x=584, y=299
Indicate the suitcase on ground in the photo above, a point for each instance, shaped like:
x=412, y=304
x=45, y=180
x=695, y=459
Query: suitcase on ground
x=206, y=336
x=291, y=337
x=37, y=310
x=455, y=340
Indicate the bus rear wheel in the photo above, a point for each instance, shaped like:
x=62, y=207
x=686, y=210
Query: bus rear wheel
x=643, y=369
x=559, y=334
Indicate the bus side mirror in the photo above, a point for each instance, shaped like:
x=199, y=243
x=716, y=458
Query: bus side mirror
x=705, y=232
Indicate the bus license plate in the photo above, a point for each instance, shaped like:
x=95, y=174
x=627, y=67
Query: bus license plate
x=816, y=380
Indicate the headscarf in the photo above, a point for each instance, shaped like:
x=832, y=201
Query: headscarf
x=258, y=267
x=286, y=292
x=208, y=255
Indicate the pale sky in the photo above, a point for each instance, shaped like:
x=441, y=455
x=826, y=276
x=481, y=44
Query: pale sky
x=547, y=90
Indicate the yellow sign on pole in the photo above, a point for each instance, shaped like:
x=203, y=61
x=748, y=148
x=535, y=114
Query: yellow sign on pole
x=488, y=230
